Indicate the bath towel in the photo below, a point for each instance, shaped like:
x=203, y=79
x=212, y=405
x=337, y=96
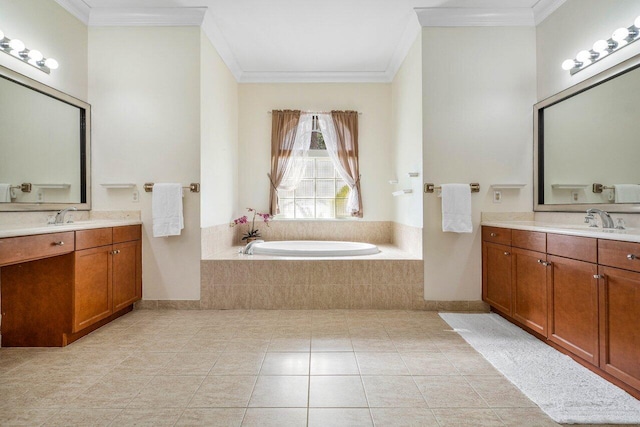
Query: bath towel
x=627, y=193
x=456, y=208
x=5, y=193
x=166, y=207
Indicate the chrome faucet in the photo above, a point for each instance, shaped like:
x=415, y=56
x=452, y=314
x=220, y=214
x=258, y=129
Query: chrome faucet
x=248, y=249
x=607, y=221
x=60, y=215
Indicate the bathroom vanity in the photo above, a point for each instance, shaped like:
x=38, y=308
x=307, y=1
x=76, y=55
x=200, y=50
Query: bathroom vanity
x=575, y=288
x=58, y=283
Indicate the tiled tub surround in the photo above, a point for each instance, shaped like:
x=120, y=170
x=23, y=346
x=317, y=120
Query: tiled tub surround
x=390, y=279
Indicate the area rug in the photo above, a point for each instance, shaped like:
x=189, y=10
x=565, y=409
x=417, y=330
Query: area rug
x=565, y=390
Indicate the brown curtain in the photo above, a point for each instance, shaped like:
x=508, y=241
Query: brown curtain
x=346, y=124
x=284, y=124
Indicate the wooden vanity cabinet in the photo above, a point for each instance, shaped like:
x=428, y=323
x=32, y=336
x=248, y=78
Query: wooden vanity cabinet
x=514, y=275
x=573, y=295
x=619, y=324
x=496, y=276
x=530, y=271
x=619, y=279
x=127, y=266
x=55, y=293
x=573, y=307
x=108, y=273
x=589, y=293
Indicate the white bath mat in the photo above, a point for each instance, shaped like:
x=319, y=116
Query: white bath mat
x=565, y=390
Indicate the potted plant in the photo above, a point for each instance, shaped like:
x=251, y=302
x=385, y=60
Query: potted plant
x=252, y=232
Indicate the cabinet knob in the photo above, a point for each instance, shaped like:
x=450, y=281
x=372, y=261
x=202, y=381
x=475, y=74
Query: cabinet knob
x=60, y=243
x=631, y=257
x=493, y=234
x=598, y=276
x=117, y=251
x=544, y=263
x=507, y=253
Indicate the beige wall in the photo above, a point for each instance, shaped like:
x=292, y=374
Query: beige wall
x=573, y=27
x=406, y=138
x=372, y=100
x=146, y=128
x=477, y=120
x=45, y=26
x=219, y=138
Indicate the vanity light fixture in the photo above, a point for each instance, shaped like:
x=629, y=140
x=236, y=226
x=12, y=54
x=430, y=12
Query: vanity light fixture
x=35, y=58
x=620, y=38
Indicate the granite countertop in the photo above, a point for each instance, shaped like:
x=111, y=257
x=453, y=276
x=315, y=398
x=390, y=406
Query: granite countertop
x=578, y=229
x=15, y=230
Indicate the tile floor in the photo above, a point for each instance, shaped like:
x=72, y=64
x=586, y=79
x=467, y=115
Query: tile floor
x=262, y=368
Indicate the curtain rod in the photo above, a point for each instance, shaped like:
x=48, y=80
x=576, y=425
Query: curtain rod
x=315, y=112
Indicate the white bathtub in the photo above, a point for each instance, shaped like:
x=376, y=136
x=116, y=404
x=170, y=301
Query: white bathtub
x=313, y=248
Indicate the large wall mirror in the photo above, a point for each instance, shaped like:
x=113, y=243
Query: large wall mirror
x=44, y=147
x=587, y=144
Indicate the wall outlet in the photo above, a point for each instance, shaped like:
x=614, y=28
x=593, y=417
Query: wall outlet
x=135, y=196
x=497, y=197
x=40, y=196
x=575, y=196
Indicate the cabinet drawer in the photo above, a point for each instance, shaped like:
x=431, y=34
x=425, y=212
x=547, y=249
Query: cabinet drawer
x=496, y=235
x=531, y=240
x=93, y=238
x=624, y=255
x=19, y=249
x=580, y=248
x=127, y=233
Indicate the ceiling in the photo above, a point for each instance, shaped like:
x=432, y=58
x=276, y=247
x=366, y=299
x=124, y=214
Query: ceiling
x=312, y=41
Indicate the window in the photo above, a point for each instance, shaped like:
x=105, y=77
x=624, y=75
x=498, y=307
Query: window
x=321, y=193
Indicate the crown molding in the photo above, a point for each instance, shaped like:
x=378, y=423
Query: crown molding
x=475, y=17
x=315, y=77
x=409, y=36
x=148, y=16
x=544, y=8
x=213, y=33
x=77, y=8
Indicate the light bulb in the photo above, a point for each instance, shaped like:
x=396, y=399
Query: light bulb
x=620, y=34
x=568, y=64
x=601, y=46
x=36, y=55
x=16, y=44
x=51, y=63
x=2, y=34
x=583, y=55
x=636, y=23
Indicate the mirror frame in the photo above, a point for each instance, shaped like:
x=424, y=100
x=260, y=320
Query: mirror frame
x=538, y=141
x=85, y=141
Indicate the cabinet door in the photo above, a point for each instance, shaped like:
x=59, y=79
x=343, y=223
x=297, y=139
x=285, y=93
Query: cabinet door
x=496, y=276
x=127, y=274
x=92, y=286
x=573, y=307
x=619, y=326
x=530, y=289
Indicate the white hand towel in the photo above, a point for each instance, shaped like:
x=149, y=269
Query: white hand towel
x=627, y=193
x=166, y=206
x=5, y=193
x=456, y=208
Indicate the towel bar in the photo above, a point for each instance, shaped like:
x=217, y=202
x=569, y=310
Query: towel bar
x=194, y=187
x=431, y=188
